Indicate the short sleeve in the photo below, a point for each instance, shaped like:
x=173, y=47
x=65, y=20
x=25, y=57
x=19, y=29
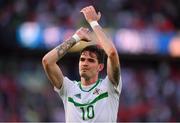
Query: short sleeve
x=64, y=88
x=111, y=87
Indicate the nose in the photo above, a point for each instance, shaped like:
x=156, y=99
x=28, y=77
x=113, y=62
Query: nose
x=85, y=63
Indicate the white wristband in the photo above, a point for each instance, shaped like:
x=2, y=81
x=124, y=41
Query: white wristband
x=76, y=37
x=93, y=24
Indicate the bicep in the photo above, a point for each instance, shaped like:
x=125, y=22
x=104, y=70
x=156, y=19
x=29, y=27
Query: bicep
x=54, y=74
x=113, y=68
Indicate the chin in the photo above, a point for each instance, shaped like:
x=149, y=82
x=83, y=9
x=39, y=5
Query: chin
x=84, y=75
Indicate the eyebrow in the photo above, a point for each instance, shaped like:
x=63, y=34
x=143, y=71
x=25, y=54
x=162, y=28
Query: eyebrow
x=91, y=54
x=93, y=58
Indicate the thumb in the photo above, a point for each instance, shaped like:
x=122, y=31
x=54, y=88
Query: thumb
x=99, y=15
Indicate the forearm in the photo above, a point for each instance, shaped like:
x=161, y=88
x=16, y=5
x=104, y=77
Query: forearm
x=51, y=68
x=104, y=41
x=113, y=67
x=57, y=53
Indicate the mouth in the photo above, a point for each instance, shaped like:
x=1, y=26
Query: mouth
x=84, y=69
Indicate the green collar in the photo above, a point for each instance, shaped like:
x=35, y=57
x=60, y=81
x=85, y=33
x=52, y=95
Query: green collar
x=97, y=82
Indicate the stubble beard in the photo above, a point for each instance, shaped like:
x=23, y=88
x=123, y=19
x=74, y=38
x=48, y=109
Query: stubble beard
x=85, y=76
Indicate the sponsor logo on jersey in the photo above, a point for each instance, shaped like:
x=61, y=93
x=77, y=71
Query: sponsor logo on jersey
x=78, y=96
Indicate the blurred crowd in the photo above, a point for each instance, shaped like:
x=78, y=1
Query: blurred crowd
x=162, y=14
x=25, y=93
x=151, y=92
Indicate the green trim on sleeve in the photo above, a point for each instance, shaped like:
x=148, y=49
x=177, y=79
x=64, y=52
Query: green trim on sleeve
x=101, y=96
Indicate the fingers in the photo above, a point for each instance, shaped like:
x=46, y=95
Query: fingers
x=83, y=33
x=84, y=29
x=82, y=10
x=90, y=14
x=88, y=9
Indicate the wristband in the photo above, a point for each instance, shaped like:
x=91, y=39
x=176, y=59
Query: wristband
x=93, y=24
x=76, y=37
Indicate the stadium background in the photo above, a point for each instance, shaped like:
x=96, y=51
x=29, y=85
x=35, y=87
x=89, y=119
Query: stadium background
x=145, y=32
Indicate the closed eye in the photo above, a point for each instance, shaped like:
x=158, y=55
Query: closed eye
x=82, y=59
x=91, y=60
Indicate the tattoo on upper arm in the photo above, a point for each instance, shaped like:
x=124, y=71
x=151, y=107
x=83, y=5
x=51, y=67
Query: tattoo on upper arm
x=64, y=47
x=116, y=74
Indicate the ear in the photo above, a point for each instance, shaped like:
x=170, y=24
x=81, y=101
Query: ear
x=101, y=66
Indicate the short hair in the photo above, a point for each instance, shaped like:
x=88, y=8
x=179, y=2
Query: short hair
x=97, y=50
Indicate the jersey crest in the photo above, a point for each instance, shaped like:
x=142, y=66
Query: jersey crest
x=96, y=91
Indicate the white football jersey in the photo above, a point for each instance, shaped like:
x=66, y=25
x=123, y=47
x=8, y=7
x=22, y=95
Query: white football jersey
x=95, y=103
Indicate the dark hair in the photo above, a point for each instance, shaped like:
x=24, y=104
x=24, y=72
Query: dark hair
x=97, y=50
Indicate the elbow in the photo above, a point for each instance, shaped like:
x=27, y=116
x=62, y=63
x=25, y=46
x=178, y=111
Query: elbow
x=45, y=61
x=112, y=52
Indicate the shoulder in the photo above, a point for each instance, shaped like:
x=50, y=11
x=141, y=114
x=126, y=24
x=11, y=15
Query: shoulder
x=107, y=82
x=67, y=84
x=70, y=83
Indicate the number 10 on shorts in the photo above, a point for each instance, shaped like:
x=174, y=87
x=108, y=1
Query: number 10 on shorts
x=87, y=112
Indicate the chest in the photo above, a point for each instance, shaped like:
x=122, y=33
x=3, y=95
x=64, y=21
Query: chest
x=81, y=97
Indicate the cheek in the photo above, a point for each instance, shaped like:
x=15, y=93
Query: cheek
x=95, y=68
x=79, y=65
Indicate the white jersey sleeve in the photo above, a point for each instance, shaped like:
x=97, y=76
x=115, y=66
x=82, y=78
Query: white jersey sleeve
x=111, y=87
x=67, y=83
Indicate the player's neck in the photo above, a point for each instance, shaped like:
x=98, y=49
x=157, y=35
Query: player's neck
x=90, y=81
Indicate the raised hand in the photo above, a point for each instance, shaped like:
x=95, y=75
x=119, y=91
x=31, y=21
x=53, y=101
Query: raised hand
x=84, y=34
x=90, y=14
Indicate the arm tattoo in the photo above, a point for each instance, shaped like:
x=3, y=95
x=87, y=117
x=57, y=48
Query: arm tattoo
x=64, y=47
x=116, y=74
